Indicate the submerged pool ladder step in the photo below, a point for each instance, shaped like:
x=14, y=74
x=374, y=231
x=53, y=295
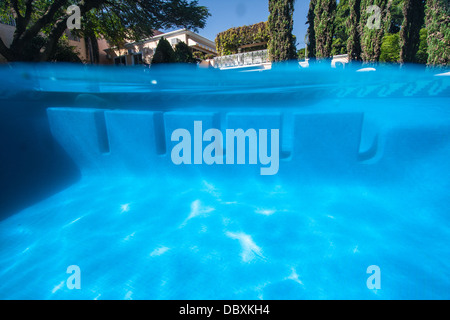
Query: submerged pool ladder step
x=97, y=139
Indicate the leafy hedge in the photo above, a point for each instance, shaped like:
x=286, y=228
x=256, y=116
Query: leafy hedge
x=229, y=41
x=438, y=26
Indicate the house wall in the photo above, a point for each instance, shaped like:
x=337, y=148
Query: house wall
x=147, y=48
x=80, y=47
x=103, y=57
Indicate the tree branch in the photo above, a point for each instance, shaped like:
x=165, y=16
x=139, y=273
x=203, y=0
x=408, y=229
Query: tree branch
x=15, y=6
x=61, y=26
x=27, y=35
x=28, y=10
x=22, y=21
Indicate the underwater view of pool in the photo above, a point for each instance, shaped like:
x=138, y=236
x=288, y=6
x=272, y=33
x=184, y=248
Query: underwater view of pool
x=89, y=178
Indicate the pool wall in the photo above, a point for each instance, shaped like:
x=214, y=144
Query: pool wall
x=33, y=164
x=59, y=123
x=335, y=146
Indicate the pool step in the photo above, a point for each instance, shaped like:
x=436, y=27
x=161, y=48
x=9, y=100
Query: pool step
x=312, y=144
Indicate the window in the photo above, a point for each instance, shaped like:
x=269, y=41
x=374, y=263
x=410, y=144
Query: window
x=120, y=61
x=137, y=59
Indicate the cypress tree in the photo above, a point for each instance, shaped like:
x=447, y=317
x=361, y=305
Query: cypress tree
x=183, y=53
x=325, y=13
x=437, y=17
x=282, y=43
x=310, y=33
x=354, y=42
x=394, y=16
x=163, y=52
x=413, y=20
x=340, y=36
x=372, y=36
x=422, y=55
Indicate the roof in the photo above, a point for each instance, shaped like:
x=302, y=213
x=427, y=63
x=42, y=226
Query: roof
x=158, y=35
x=174, y=33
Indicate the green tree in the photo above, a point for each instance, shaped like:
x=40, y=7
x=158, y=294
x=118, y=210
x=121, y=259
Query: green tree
x=353, y=41
x=282, y=43
x=390, y=48
x=394, y=16
x=371, y=33
x=183, y=53
x=340, y=37
x=422, y=54
x=413, y=21
x=63, y=52
x=301, y=54
x=116, y=20
x=310, y=32
x=325, y=13
x=163, y=53
x=437, y=17
x=199, y=56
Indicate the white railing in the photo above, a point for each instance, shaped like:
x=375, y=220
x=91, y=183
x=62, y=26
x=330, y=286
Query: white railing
x=242, y=59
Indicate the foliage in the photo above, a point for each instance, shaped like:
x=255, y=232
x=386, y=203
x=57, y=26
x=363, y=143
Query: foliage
x=325, y=13
x=390, y=48
x=63, y=53
x=340, y=36
x=422, y=54
x=116, y=20
x=229, y=41
x=183, y=53
x=163, y=53
x=372, y=38
x=401, y=35
x=394, y=16
x=413, y=21
x=282, y=46
x=354, y=40
x=199, y=55
x=438, y=25
x=301, y=54
x=338, y=47
x=310, y=32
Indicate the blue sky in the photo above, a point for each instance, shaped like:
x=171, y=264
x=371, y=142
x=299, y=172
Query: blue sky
x=226, y=14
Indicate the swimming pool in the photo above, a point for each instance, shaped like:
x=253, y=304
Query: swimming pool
x=88, y=180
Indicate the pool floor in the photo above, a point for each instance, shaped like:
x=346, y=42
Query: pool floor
x=135, y=239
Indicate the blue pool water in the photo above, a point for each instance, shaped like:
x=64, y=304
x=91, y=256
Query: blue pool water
x=87, y=179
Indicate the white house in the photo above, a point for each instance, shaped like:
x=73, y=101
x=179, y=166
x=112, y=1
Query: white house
x=142, y=51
